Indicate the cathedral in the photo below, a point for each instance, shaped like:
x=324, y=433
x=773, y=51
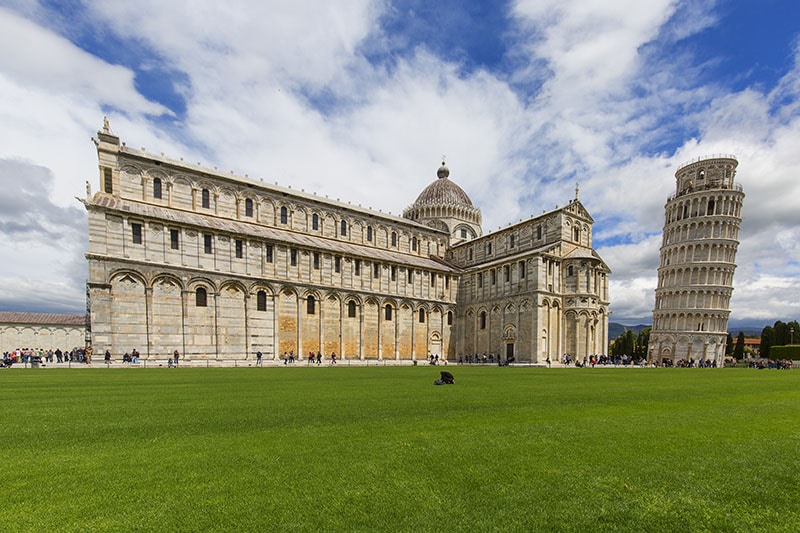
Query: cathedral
x=221, y=267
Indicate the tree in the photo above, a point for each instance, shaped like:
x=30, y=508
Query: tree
x=642, y=342
x=624, y=344
x=781, y=334
x=729, y=346
x=794, y=332
x=738, y=350
x=767, y=340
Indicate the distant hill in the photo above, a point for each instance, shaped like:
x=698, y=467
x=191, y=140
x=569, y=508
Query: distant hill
x=615, y=329
x=747, y=330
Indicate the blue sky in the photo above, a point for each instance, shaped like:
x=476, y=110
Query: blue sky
x=359, y=100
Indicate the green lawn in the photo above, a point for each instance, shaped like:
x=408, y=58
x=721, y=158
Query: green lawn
x=366, y=449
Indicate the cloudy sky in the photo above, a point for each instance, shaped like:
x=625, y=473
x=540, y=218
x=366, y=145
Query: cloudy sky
x=360, y=99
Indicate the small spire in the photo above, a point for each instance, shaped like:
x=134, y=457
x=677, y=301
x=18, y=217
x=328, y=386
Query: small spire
x=577, y=188
x=106, y=128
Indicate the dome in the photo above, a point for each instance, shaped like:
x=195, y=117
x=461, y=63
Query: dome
x=443, y=192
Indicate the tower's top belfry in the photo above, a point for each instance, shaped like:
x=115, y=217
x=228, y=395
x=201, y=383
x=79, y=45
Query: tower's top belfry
x=704, y=173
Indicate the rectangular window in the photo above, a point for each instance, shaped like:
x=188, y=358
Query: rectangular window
x=357, y=266
x=394, y=272
x=507, y=273
x=239, y=249
x=344, y=228
x=337, y=264
x=376, y=270
x=522, y=270
x=463, y=233
x=293, y=257
x=269, y=253
x=512, y=241
x=488, y=248
x=136, y=230
x=107, y=181
x=493, y=276
x=316, y=260
x=447, y=282
x=410, y=276
x=174, y=237
x=433, y=279
x=206, y=200
x=207, y=244
x=539, y=232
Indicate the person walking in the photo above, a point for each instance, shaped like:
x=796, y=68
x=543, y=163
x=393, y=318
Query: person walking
x=176, y=355
x=258, y=358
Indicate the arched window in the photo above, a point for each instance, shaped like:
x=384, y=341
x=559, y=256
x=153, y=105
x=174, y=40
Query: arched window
x=311, y=305
x=413, y=244
x=577, y=234
x=351, y=309
x=482, y=320
x=421, y=316
x=261, y=301
x=394, y=238
x=388, y=312
x=248, y=207
x=206, y=199
x=284, y=215
x=343, y=231
x=369, y=233
x=315, y=222
x=449, y=318
x=157, y=188
x=569, y=270
x=200, y=297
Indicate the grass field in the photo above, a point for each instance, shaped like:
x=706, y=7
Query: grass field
x=367, y=449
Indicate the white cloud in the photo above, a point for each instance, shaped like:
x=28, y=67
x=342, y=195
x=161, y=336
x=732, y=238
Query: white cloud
x=51, y=63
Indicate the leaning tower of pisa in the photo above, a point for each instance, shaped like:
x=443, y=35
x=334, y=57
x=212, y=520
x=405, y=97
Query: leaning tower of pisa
x=698, y=257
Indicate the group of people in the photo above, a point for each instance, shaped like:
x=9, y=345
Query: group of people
x=289, y=358
x=483, y=359
x=779, y=364
x=40, y=355
x=132, y=357
x=476, y=359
